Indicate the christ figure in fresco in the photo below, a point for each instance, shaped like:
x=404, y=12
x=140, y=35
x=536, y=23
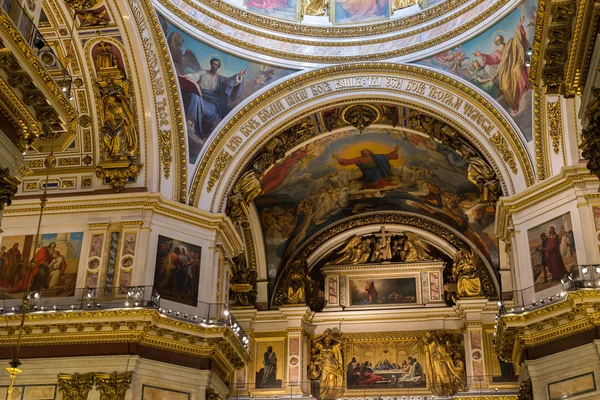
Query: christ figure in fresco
x=510, y=58
x=375, y=168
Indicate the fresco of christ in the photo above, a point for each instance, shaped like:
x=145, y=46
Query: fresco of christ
x=375, y=168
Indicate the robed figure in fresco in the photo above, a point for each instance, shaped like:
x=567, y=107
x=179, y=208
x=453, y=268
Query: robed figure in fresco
x=554, y=259
x=269, y=376
x=375, y=168
x=37, y=278
x=510, y=58
x=207, y=96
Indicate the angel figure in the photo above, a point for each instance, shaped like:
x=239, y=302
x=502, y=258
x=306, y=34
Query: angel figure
x=350, y=254
x=328, y=351
x=119, y=136
x=413, y=248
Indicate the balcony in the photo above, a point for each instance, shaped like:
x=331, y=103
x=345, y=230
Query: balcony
x=528, y=323
x=35, y=86
x=122, y=316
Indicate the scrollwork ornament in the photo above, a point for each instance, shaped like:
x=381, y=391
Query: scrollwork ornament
x=113, y=386
x=78, y=5
x=555, y=124
x=361, y=116
x=8, y=187
x=76, y=386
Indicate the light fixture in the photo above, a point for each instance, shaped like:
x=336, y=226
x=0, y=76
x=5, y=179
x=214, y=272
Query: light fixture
x=529, y=52
x=528, y=64
x=598, y=270
x=584, y=270
x=226, y=312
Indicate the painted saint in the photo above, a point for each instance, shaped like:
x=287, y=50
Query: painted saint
x=375, y=168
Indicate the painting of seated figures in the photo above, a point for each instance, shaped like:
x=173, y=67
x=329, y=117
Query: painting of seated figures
x=54, y=259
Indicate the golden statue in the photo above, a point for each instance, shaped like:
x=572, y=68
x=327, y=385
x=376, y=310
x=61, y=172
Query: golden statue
x=400, y=4
x=296, y=283
x=412, y=248
x=314, y=7
x=445, y=366
x=356, y=251
x=464, y=269
x=328, y=364
x=118, y=133
x=248, y=186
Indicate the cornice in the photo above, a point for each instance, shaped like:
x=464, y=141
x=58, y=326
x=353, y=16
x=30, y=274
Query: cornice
x=566, y=179
x=154, y=202
x=578, y=313
x=140, y=326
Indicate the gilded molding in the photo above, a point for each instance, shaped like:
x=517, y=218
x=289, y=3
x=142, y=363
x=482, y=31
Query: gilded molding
x=338, y=31
x=577, y=313
x=555, y=124
x=217, y=158
x=440, y=39
x=45, y=82
x=155, y=47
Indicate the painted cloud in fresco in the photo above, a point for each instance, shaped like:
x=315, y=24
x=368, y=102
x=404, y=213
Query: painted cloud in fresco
x=495, y=61
x=346, y=173
x=212, y=83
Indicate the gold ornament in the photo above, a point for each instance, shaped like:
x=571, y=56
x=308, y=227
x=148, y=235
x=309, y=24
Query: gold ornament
x=76, y=386
x=113, y=386
x=327, y=365
x=464, y=270
x=360, y=116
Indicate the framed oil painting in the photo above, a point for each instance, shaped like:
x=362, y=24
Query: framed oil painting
x=384, y=365
x=269, y=362
x=386, y=291
x=56, y=262
x=157, y=393
x=572, y=387
x=177, y=270
x=284, y=9
x=553, y=251
x=357, y=11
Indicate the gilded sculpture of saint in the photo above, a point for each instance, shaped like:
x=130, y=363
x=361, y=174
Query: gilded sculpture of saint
x=447, y=373
x=118, y=133
x=464, y=270
x=314, y=7
x=327, y=359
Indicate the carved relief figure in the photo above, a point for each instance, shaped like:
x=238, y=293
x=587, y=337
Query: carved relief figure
x=446, y=366
x=119, y=135
x=413, y=248
x=464, y=269
x=328, y=361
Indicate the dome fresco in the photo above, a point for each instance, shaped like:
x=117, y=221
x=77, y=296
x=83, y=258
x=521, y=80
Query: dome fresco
x=347, y=173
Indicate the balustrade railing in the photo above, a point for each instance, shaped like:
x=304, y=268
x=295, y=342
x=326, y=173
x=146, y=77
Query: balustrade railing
x=123, y=297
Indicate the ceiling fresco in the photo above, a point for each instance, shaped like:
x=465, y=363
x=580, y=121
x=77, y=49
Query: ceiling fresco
x=348, y=173
x=496, y=62
x=212, y=82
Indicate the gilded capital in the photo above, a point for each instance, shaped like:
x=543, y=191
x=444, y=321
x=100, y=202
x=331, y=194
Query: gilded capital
x=76, y=386
x=113, y=386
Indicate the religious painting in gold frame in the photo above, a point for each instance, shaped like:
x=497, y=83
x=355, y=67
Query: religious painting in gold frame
x=269, y=362
x=384, y=363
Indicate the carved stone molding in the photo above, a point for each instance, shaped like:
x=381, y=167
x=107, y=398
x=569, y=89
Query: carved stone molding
x=8, y=187
x=76, y=386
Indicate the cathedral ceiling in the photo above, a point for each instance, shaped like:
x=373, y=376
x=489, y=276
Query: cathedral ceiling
x=348, y=173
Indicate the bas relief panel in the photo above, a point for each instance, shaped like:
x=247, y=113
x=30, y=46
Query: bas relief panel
x=177, y=271
x=553, y=251
x=494, y=61
x=212, y=83
x=346, y=173
x=56, y=262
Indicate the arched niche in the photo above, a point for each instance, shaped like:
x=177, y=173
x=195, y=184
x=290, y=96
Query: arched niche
x=471, y=112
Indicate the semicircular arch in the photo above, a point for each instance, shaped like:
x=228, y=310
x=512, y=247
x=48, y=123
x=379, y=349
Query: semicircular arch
x=459, y=104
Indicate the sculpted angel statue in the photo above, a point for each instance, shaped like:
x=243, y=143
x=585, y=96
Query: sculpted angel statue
x=328, y=350
x=413, y=248
x=118, y=133
x=352, y=253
